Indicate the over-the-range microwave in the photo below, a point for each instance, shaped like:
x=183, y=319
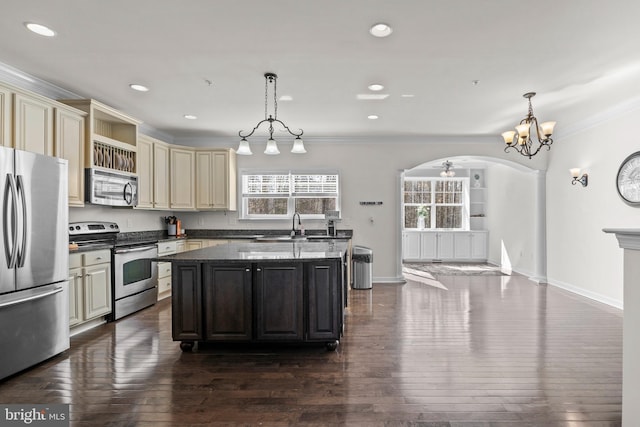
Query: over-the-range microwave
x=111, y=188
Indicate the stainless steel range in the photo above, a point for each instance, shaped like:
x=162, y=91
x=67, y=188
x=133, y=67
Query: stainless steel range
x=134, y=281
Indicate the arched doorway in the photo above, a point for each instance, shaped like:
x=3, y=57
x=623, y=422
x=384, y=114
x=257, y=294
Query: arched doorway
x=500, y=199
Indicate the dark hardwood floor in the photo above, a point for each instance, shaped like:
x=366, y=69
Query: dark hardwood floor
x=489, y=351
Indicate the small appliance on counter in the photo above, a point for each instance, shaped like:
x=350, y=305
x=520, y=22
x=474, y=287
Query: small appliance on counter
x=174, y=226
x=332, y=217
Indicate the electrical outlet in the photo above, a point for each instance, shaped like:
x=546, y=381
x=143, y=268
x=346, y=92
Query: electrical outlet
x=129, y=223
x=200, y=221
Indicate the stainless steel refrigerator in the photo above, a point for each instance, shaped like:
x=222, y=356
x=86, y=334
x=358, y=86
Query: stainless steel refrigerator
x=34, y=259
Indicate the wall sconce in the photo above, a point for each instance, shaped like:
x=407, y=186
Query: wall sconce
x=584, y=179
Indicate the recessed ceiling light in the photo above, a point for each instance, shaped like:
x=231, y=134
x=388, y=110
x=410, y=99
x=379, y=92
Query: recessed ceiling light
x=139, y=88
x=380, y=30
x=371, y=96
x=375, y=87
x=373, y=117
x=286, y=98
x=407, y=95
x=40, y=29
x=190, y=117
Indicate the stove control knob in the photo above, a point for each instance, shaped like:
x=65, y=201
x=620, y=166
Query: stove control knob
x=71, y=228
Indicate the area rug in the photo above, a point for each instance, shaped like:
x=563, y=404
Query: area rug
x=455, y=269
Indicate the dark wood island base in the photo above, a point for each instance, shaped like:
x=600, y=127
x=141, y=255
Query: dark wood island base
x=259, y=293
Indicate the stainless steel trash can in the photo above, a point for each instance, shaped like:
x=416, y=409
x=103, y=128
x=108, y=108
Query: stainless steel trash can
x=362, y=258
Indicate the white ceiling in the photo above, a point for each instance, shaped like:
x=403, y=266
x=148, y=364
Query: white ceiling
x=581, y=56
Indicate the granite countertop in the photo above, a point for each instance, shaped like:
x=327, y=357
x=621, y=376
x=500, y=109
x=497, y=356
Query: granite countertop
x=237, y=235
x=263, y=251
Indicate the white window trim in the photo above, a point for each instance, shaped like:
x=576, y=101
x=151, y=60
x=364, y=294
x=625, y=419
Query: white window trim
x=466, y=203
x=290, y=197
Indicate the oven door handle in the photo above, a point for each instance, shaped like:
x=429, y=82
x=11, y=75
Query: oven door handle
x=140, y=249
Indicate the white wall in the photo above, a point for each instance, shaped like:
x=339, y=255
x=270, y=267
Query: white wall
x=580, y=256
x=127, y=219
x=510, y=218
x=369, y=172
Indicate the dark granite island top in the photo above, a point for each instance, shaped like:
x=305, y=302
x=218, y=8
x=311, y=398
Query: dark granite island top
x=290, y=291
x=263, y=251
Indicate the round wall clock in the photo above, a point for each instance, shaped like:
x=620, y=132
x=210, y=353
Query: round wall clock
x=628, y=179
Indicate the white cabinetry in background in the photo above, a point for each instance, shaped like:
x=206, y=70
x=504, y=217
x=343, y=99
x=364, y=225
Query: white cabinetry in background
x=444, y=246
x=477, y=199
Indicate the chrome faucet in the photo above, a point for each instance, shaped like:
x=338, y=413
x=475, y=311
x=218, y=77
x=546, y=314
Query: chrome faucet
x=293, y=225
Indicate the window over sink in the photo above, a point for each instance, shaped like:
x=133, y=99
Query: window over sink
x=279, y=194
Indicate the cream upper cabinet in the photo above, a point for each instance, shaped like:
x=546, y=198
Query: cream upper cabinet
x=182, y=164
x=145, y=172
x=161, y=175
x=33, y=124
x=215, y=179
x=153, y=173
x=69, y=144
x=111, y=136
x=5, y=116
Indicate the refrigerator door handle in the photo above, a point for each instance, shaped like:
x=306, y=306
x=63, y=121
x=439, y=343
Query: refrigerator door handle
x=10, y=248
x=31, y=297
x=22, y=249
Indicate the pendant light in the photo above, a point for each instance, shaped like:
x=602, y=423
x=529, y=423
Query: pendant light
x=272, y=146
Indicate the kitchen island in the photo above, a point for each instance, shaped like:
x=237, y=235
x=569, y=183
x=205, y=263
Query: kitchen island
x=285, y=291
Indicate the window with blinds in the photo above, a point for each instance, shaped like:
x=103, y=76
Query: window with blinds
x=280, y=195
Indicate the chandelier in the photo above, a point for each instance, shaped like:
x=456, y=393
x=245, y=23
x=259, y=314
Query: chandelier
x=520, y=139
x=272, y=146
x=447, y=170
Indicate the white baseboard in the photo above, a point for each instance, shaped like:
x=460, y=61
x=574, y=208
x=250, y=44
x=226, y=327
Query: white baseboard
x=398, y=280
x=587, y=294
x=570, y=288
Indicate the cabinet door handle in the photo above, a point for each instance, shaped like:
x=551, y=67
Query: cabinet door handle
x=247, y=269
x=258, y=269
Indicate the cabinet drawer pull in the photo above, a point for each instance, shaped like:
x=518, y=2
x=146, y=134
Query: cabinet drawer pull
x=248, y=269
x=258, y=269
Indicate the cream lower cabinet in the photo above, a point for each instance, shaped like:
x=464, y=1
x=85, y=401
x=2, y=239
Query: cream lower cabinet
x=164, y=269
x=444, y=246
x=89, y=286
